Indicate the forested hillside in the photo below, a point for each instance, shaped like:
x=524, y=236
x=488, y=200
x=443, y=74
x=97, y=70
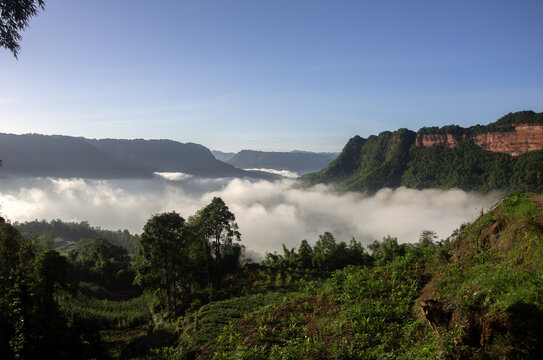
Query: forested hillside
x=167, y=156
x=448, y=157
x=33, y=155
x=65, y=236
x=187, y=295
x=60, y=156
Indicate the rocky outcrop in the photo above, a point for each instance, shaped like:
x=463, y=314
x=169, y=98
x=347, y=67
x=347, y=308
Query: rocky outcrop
x=518, y=139
x=523, y=138
x=449, y=140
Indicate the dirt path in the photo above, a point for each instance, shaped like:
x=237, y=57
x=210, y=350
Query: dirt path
x=538, y=199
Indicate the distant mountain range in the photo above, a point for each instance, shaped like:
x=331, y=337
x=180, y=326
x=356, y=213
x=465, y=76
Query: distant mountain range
x=505, y=155
x=66, y=156
x=300, y=162
x=223, y=156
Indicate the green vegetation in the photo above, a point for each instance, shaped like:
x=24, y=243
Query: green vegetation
x=89, y=303
x=502, y=124
x=468, y=167
x=104, y=313
x=369, y=164
x=393, y=160
x=100, y=262
x=31, y=322
x=475, y=295
x=66, y=236
x=489, y=294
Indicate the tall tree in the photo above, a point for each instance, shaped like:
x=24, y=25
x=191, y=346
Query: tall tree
x=323, y=251
x=216, y=224
x=167, y=261
x=305, y=254
x=14, y=18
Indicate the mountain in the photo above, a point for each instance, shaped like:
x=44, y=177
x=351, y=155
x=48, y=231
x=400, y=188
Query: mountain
x=60, y=156
x=504, y=155
x=301, y=162
x=168, y=156
x=223, y=156
x=66, y=156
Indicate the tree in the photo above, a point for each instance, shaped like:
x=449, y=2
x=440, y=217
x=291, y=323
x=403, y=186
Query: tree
x=323, y=251
x=216, y=224
x=169, y=260
x=31, y=323
x=14, y=18
x=101, y=262
x=52, y=338
x=385, y=251
x=305, y=254
x=16, y=260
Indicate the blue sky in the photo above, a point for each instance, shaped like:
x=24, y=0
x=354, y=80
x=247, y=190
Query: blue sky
x=270, y=75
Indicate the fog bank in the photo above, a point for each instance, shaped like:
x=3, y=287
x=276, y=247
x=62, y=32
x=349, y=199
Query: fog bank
x=268, y=213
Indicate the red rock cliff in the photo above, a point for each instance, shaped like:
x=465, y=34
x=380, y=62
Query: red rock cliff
x=449, y=140
x=523, y=138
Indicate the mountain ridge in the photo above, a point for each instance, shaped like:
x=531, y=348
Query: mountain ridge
x=301, y=162
x=68, y=156
x=479, y=158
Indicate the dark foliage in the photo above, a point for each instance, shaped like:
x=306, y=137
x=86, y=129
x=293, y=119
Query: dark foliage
x=55, y=233
x=326, y=255
x=14, y=18
x=103, y=263
x=32, y=324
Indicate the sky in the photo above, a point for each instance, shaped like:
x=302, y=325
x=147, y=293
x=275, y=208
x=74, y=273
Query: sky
x=270, y=75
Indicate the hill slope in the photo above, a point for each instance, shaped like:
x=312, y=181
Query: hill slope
x=505, y=155
x=222, y=156
x=167, y=156
x=66, y=156
x=61, y=156
x=487, y=290
x=477, y=295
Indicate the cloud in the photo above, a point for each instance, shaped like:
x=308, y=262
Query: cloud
x=283, y=173
x=173, y=176
x=268, y=213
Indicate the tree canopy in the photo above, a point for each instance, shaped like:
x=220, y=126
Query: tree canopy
x=14, y=18
x=216, y=224
x=32, y=324
x=169, y=261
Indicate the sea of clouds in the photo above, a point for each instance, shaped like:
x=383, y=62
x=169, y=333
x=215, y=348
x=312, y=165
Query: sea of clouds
x=268, y=213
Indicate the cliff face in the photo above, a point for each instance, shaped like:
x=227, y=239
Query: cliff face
x=519, y=139
x=475, y=158
x=524, y=138
x=448, y=140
